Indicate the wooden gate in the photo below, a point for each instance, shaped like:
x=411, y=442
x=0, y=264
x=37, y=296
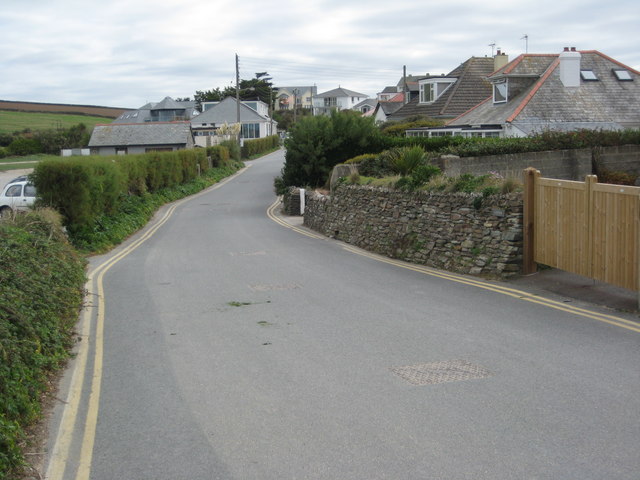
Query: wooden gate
x=587, y=228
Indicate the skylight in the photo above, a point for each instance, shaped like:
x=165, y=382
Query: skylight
x=588, y=75
x=623, y=75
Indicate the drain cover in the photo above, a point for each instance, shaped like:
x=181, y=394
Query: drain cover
x=441, y=372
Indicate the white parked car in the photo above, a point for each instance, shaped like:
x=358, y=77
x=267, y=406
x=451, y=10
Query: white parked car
x=17, y=195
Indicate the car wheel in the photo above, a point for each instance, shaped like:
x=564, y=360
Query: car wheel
x=5, y=212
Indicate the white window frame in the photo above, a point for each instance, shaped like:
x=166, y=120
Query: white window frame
x=505, y=96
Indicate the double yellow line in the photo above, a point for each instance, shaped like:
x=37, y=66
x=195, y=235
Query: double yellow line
x=478, y=283
x=95, y=288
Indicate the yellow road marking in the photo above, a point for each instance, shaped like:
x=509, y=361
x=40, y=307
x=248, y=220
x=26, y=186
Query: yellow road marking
x=60, y=452
x=512, y=292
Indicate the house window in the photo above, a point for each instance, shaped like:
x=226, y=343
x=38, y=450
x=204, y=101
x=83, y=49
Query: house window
x=623, y=75
x=427, y=93
x=250, y=130
x=500, y=91
x=588, y=75
x=331, y=102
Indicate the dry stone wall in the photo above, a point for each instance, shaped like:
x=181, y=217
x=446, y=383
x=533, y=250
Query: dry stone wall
x=459, y=232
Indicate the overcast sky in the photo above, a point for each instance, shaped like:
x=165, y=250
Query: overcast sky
x=126, y=53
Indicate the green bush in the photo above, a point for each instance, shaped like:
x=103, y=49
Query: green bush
x=41, y=291
x=260, y=145
x=219, y=155
x=80, y=188
x=361, y=158
x=234, y=149
x=24, y=146
x=316, y=144
x=3, y=152
x=407, y=160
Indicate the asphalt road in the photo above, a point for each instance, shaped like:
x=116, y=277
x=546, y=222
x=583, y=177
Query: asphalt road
x=235, y=348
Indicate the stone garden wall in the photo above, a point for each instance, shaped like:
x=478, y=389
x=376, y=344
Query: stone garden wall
x=459, y=232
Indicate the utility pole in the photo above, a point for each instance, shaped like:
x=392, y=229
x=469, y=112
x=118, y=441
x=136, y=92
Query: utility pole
x=238, y=99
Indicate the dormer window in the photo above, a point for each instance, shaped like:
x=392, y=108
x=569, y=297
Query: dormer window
x=623, y=75
x=500, y=91
x=588, y=75
x=432, y=88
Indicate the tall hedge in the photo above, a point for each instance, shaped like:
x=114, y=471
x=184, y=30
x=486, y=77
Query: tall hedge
x=41, y=290
x=259, y=145
x=82, y=188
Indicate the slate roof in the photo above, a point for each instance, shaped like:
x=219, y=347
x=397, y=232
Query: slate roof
x=340, y=92
x=134, y=134
x=372, y=102
x=546, y=103
x=227, y=111
x=470, y=88
x=143, y=114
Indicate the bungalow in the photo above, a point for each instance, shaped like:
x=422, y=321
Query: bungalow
x=129, y=138
x=447, y=96
x=563, y=92
x=254, y=119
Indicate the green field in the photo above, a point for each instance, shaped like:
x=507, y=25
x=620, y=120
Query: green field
x=17, y=121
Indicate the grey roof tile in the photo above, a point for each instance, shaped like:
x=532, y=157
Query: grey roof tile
x=547, y=103
x=154, y=133
x=470, y=88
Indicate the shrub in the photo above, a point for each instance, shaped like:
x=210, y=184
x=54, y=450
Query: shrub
x=41, y=291
x=407, y=160
x=219, y=155
x=260, y=145
x=316, y=144
x=24, y=146
x=3, y=152
x=361, y=158
x=375, y=165
x=233, y=148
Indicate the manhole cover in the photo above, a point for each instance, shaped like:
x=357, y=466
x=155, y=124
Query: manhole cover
x=441, y=372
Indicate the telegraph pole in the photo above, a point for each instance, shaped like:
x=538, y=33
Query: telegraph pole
x=238, y=98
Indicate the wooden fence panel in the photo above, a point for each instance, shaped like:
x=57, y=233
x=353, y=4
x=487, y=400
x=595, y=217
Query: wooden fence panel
x=616, y=219
x=587, y=228
x=561, y=225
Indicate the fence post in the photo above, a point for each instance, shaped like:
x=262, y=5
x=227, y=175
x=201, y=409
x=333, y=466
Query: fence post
x=528, y=221
x=590, y=182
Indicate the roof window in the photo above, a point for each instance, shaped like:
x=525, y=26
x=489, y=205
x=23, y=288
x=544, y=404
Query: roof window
x=623, y=75
x=588, y=75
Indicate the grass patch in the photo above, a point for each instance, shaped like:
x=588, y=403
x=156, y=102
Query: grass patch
x=11, y=122
x=238, y=304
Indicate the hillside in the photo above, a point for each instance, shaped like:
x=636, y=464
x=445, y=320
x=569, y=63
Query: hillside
x=91, y=110
x=11, y=121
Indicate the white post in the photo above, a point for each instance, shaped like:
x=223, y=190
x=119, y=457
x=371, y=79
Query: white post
x=302, y=201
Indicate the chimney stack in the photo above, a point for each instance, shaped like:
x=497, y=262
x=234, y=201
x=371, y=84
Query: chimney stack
x=570, y=67
x=500, y=60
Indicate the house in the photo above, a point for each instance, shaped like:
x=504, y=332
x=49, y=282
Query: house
x=447, y=96
x=567, y=91
x=365, y=106
x=384, y=109
x=254, y=119
x=302, y=97
x=167, y=110
x=129, y=138
x=336, y=99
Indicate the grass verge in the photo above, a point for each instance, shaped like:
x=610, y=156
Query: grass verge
x=41, y=290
